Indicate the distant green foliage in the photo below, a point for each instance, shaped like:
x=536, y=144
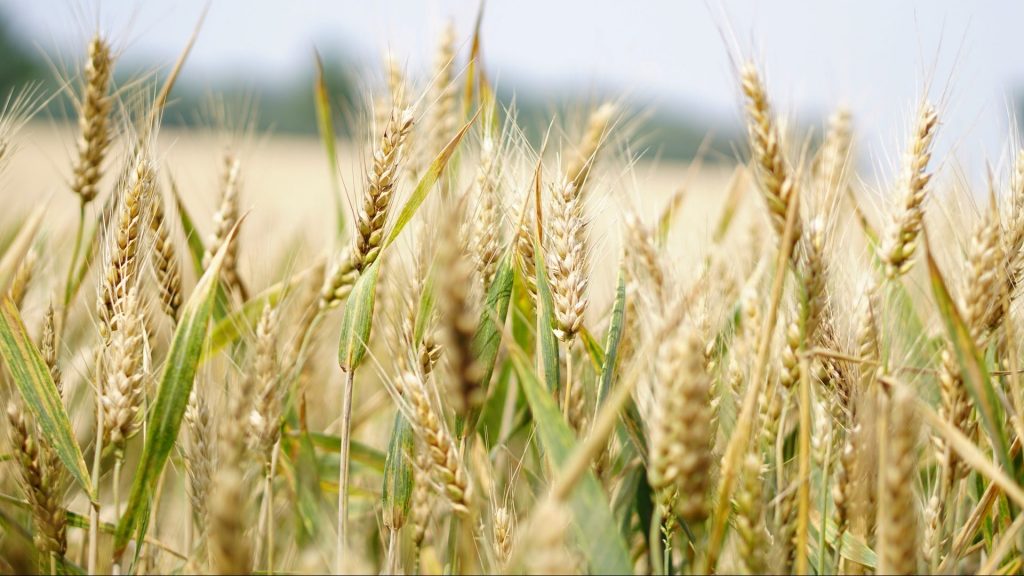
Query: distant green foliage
x=288, y=108
x=18, y=65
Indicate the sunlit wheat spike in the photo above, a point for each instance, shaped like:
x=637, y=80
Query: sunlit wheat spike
x=93, y=120
x=901, y=237
x=43, y=492
x=567, y=260
x=778, y=182
x=165, y=264
x=125, y=239
x=372, y=217
x=224, y=221
x=898, y=526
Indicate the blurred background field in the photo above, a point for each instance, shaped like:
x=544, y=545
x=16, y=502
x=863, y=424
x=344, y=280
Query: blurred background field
x=667, y=64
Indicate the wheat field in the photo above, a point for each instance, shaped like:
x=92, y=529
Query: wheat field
x=442, y=347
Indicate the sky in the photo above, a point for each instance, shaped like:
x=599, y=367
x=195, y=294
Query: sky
x=878, y=57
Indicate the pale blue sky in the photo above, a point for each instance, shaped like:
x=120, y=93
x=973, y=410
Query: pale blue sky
x=875, y=55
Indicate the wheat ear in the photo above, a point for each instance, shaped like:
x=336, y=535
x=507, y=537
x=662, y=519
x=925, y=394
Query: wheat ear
x=224, y=221
x=123, y=384
x=229, y=546
x=165, y=264
x=93, y=121
x=446, y=464
x=44, y=495
x=567, y=260
x=898, y=525
x=778, y=184
x=901, y=238
x=680, y=427
x=125, y=240
x=487, y=223
x=373, y=215
x=578, y=170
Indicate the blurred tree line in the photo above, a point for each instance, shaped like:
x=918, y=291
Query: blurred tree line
x=290, y=108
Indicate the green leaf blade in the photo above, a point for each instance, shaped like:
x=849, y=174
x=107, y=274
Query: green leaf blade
x=396, y=496
x=358, y=319
x=33, y=380
x=614, y=337
x=597, y=528
x=426, y=183
x=172, y=397
x=325, y=125
x=973, y=369
x=487, y=339
x=548, y=343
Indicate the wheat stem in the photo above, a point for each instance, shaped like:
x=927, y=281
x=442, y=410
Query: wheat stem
x=567, y=399
x=94, y=512
x=79, y=232
x=346, y=440
x=115, y=481
x=804, y=490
